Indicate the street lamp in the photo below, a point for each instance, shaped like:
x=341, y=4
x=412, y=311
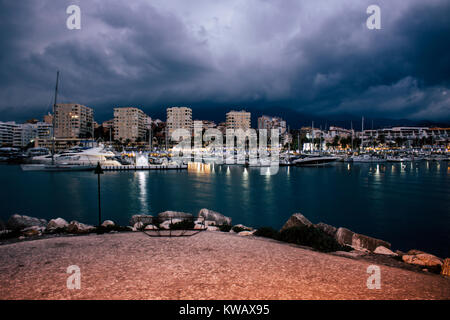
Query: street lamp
x=98, y=171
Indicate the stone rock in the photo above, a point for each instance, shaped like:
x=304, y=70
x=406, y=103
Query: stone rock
x=357, y=241
x=414, y=252
x=328, y=229
x=446, y=267
x=198, y=227
x=296, y=220
x=217, y=217
x=138, y=225
x=58, y=223
x=150, y=227
x=344, y=236
x=108, y=223
x=399, y=253
x=32, y=231
x=422, y=259
x=78, y=227
x=211, y=228
x=18, y=222
x=167, y=215
x=241, y=226
x=246, y=233
x=385, y=251
x=144, y=218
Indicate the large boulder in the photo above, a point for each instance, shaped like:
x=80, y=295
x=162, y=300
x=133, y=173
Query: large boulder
x=384, y=251
x=218, y=218
x=359, y=241
x=144, y=218
x=18, y=222
x=344, y=236
x=422, y=259
x=32, y=231
x=58, y=223
x=108, y=224
x=330, y=230
x=296, y=220
x=79, y=228
x=167, y=215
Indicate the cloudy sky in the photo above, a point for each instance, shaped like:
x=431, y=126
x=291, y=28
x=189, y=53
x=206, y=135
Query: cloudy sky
x=314, y=57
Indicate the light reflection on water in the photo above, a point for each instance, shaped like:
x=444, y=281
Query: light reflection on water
x=406, y=206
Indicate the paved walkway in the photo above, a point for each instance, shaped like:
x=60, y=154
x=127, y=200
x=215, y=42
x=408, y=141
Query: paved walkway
x=209, y=265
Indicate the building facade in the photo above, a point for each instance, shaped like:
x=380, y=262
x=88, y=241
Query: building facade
x=268, y=123
x=73, y=121
x=129, y=124
x=179, y=118
x=238, y=120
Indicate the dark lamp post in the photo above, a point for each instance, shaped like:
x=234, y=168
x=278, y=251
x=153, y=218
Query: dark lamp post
x=98, y=171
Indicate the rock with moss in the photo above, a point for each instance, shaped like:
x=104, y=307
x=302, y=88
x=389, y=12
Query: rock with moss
x=311, y=237
x=327, y=228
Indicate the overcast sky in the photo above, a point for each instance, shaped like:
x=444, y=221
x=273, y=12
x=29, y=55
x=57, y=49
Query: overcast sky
x=312, y=56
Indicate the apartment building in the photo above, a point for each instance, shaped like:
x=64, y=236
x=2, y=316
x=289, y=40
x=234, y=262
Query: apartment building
x=238, y=120
x=268, y=123
x=179, y=118
x=129, y=124
x=73, y=121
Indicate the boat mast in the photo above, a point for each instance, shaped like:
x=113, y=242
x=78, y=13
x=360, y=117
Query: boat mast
x=53, y=118
x=351, y=125
x=362, y=133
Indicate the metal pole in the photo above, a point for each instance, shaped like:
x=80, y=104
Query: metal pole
x=99, y=203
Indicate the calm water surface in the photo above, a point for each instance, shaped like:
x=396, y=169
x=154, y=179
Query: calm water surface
x=408, y=206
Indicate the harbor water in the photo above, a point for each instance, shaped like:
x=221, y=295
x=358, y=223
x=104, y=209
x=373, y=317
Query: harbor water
x=405, y=204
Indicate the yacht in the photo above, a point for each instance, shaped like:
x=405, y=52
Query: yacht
x=315, y=161
x=73, y=160
x=367, y=158
x=399, y=158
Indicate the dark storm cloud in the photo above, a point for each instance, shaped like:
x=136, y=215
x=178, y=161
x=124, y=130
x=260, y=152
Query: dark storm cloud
x=312, y=56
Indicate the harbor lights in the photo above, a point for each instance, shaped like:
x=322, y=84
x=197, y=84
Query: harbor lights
x=98, y=171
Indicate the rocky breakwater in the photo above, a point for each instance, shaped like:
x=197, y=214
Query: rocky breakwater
x=25, y=227
x=205, y=219
x=353, y=244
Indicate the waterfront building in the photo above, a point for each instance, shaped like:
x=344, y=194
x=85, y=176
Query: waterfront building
x=269, y=123
x=129, y=124
x=26, y=133
x=73, y=120
x=238, y=120
x=340, y=132
x=7, y=133
x=179, y=118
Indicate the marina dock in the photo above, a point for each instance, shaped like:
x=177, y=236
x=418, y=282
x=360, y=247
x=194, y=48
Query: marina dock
x=150, y=167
